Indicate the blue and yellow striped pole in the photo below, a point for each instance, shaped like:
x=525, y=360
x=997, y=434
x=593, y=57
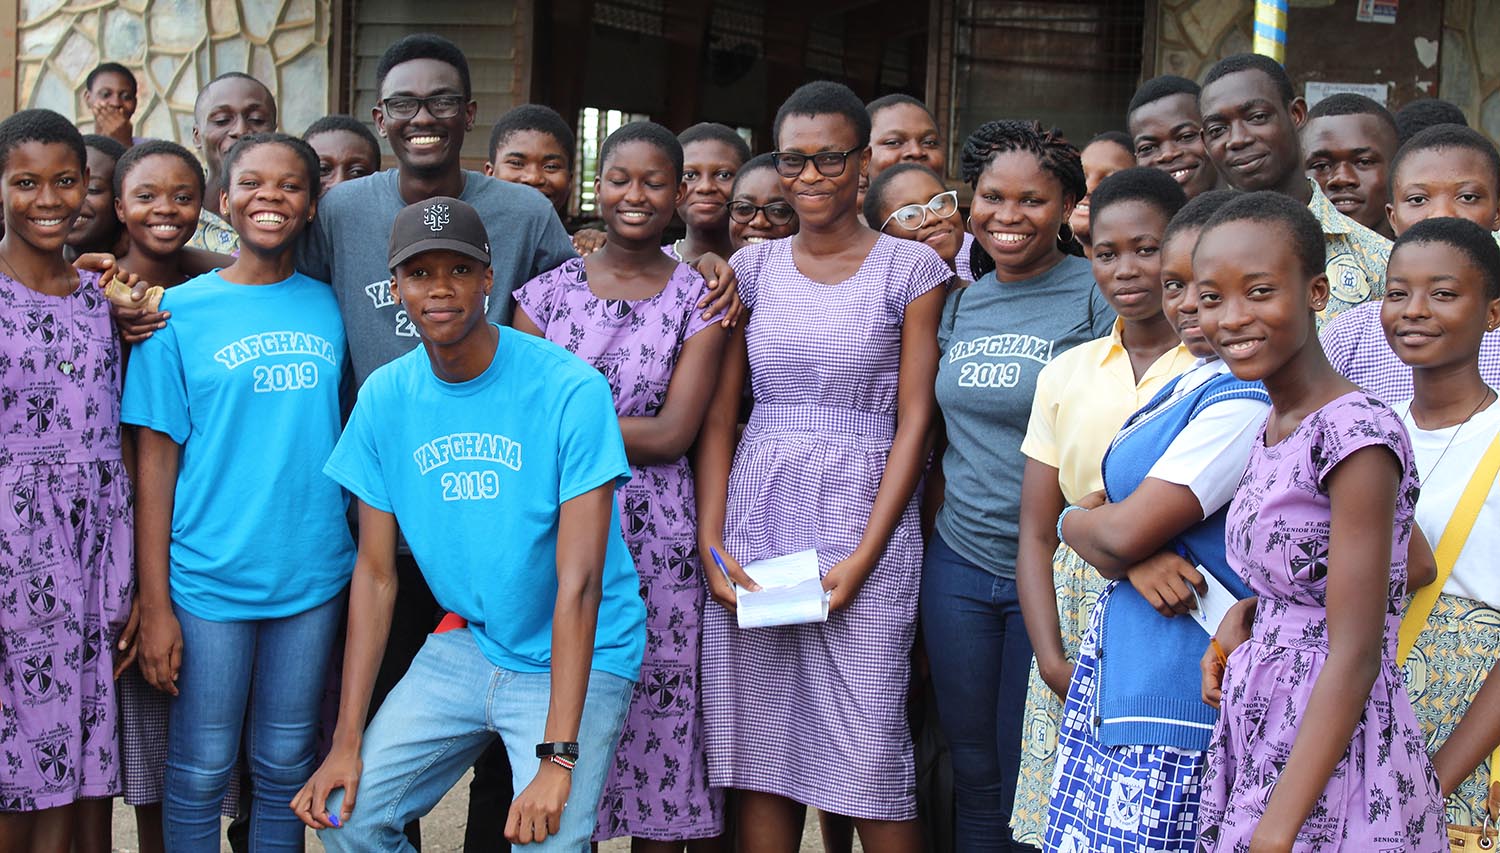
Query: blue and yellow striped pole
x=1270, y=29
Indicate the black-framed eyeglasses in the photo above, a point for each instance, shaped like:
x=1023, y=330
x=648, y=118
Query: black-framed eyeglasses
x=830, y=164
x=438, y=106
x=913, y=216
x=777, y=212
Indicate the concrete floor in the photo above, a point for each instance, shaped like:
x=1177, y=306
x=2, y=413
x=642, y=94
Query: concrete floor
x=442, y=830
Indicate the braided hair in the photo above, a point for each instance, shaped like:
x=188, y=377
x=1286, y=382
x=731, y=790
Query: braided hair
x=1051, y=149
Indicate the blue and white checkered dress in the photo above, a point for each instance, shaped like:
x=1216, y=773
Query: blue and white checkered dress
x=1127, y=799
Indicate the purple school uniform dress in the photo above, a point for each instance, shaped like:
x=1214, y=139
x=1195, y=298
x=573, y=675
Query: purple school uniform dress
x=817, y=713
x=65, y=545
x=1383, y=795
x=658, y=785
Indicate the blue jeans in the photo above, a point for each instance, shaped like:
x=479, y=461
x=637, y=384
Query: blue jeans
x=981, y=658
x=442, y=715
x=263, y=679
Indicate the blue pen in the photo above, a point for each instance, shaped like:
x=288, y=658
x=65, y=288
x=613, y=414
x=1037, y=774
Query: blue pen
x=719, y=561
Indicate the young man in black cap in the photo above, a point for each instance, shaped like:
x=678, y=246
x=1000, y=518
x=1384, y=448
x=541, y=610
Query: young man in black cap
x=485, y=429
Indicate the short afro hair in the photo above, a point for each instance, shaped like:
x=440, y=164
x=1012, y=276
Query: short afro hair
x=1157, y=88
x=754, y=164
x=346, y=124
x=1350, y=104
x=1423, y=113
x=536, y=117
x=1291, y=217
x=897, y=99
x=106, y=145
x=229, y=75
x=1477, y=244
x=1253, y=62
x=648, y=132
x=39, y=125
x=825, y=97
x=1118, y=137
x=422, y=46
x=875, y=195
x=1198, y=211
x=714, y=132
x=151, y=148
x=1146, y=184
x=1447, y=137
x=304, y=152
x=110, y=68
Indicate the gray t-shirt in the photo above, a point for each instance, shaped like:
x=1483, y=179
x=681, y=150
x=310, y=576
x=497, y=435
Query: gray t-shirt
x=996, y=337
x=349, y=242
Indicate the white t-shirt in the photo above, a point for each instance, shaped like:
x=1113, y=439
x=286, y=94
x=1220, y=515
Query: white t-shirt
x=1210, y=454
x=1476, y=575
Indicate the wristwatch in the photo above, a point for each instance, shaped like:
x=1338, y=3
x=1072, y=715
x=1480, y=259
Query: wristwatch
x=566, y=749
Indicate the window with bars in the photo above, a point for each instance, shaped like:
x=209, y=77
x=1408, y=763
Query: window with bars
x=594, y=126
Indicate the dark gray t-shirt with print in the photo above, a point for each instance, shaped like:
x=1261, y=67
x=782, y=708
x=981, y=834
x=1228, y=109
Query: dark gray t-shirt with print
x=995, y=338
x=349, y=242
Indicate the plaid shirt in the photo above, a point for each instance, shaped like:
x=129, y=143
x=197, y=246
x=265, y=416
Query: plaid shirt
x=1356, y=259
x=1356, y=347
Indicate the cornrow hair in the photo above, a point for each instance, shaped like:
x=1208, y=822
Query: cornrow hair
x=346, y=124
x=1161, y=87
x=535, y=117
x=1291, y=217
x=423, y=46
x=1053, y=152
x=1198, y=211
x=648, y=132
x=150, y=148
x=229, y=75
x=754, y=164
x=1477, y=244
x=1421, y=114
x=1253, y=62
x=825, y=97
x=39, y=125
x=304, y=152
x=1447, y=137
x=897, y=99
x=714, y=132
x=1350, y=104
x=108, y=146
x=1118, y=137
x=1146, y=184
x=875, y=194
x=110, y=68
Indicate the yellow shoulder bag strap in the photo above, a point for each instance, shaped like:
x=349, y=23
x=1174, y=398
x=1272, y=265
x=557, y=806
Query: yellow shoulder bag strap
x=1419, y=611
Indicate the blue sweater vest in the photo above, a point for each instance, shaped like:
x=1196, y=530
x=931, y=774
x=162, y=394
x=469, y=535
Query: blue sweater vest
x=1149, y=690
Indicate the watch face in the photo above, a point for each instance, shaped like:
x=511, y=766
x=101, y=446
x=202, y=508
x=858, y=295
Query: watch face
x=566, y=749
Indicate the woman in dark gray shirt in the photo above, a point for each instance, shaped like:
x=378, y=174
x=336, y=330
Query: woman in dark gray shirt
x=1032, y=299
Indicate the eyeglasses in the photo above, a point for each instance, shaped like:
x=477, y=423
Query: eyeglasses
x=777, y=212
x=830, y=164
x=914, y=216
x=438, y=106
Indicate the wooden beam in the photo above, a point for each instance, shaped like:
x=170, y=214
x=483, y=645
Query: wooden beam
x=686, y=30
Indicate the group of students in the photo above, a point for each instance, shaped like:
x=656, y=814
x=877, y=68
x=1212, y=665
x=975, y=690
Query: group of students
x=1024, y=444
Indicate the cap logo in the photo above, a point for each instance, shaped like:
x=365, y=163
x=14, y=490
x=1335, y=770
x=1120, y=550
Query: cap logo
x=435, y=216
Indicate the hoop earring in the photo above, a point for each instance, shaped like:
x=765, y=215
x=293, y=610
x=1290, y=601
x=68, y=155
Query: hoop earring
x=1065, y=234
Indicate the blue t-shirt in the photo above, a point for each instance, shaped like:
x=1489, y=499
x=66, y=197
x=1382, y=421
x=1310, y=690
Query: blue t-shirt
x=246, y=378
x=476, y=473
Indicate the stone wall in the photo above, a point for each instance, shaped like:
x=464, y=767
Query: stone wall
x=1194, y=34
x=174, y=47
x=1471, y=61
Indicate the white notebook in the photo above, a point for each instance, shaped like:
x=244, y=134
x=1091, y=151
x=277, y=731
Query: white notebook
x=791, y=592
x=1213, y=605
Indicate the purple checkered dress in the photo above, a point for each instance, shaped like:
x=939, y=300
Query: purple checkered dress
x=817, y=713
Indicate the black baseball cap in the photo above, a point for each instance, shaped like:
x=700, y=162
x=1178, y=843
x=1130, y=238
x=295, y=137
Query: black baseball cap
x=437, y=223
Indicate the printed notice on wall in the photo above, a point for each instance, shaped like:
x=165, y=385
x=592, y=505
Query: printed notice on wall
x=1317, y=90
x=1376, y=12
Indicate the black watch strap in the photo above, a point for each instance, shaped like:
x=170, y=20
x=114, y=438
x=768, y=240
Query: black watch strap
x=567, y=749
